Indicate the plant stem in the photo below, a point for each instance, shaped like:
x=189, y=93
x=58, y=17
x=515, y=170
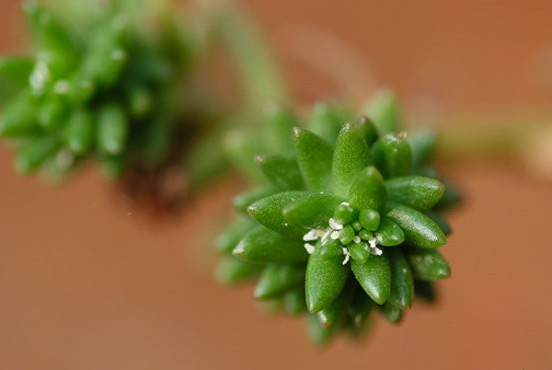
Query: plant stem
x=259, y=74
x=525, y=138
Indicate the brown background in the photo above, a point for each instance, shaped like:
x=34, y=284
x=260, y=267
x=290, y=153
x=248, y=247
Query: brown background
x=88, y=282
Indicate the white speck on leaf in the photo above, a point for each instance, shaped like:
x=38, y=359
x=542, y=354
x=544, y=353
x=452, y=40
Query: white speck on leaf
x=334, y=224
x=347, y=256
x=309, y=248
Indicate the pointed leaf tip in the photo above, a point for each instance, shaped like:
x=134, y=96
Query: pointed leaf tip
x=375, y=277
x=314, y=157
x=367, y=190
x=419, y=230
x=428, y=264
x=325, y=279
x=351, y=155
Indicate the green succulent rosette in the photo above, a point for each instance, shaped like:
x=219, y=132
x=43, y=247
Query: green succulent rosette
x=348, y=222
x=103, y=86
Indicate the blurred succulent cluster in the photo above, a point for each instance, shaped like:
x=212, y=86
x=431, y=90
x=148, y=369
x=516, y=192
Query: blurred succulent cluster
x=105, y=84
x=347, y=223
x=345, y=215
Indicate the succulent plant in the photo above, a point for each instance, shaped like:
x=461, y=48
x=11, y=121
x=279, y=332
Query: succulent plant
x=348, y=222
x=97, y=87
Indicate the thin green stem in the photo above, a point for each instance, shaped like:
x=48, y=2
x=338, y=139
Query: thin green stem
x=469, y=137
x=258, y=72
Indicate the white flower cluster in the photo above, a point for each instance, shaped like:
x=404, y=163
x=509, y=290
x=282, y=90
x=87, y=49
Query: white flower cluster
x=333, y=232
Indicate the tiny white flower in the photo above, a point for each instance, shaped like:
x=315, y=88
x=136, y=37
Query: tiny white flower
x=373, y=247
x=347, y=256
x=311, y=235
x=314, y=234
x=240, y=248
x=309, y=248
x=334, y=224
x=373, y=243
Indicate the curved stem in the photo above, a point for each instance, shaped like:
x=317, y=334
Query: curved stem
x=259, y=74
x=522, y=138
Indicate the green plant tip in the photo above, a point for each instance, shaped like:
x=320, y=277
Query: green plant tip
x=344, y=213
x=369, y=219
x=367, y=224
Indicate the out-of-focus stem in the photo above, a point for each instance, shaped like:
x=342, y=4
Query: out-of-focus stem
x=525, y=139
x=258, y=72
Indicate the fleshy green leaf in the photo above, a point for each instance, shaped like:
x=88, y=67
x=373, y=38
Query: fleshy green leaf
x=344, y=214
x=244, y=200
x=14, y=76
x=326, y=120
x=367, y=190
x=336, y=311
x=80, y=90
x=268, y=211
x=51, y=113
x=277, y=279
x=283, y=172
x=79, y=132
x=425, y=171
x=105, y=59
x=367, y=130
x=417, y=192
x=325, y=278
x=392, y=313
x=419, y=229
x=383, y=110
x=232, y=271
x=140, y=101
x=375, y=277
x=33, y=153
x=113, y=129
x=359, y=252
x=317, y=333
x=351, y=155
x=392, y=155
x=262, y=245
x=48, y=30
x=423, y=143
x=402, y=282
x=369, y=219
x=313, y=210
x=330, y=248
x=440, y=221
x=18, y=118
x=427, y=264
x=294, y=301
x=360, y=309
x=450, y=199
x=230, y=238
x=314, y=156
x=279, y=124
x=425, y=290
x=389, y=234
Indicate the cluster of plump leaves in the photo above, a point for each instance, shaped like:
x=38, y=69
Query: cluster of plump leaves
x=347, y=223
x=100, y=87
